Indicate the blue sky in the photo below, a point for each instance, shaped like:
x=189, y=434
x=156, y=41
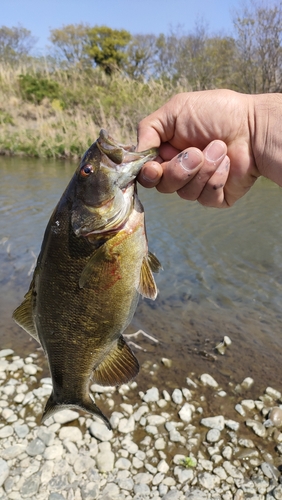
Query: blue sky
x=136, y=16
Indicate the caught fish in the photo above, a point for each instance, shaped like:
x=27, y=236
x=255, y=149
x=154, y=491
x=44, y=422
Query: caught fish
x=94, y=263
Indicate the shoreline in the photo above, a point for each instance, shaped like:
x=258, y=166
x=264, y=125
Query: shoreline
x=163, y=444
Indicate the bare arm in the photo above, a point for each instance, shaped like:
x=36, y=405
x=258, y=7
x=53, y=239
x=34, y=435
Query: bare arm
x=213, y=145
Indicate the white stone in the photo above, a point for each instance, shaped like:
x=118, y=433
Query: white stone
x=155, y=420
x=213, y=435
x=248, y=403
x=177, y=396
x=100, y=431
x=65, y=416
x=207, y=379
x=70, y=433
x=151, y=395
x=126, y=425
x=4, y=471
x=208, y=481
x=273, y=393
x=216, y=422
x=53, y=452
x=186, y=413
x=105, y=461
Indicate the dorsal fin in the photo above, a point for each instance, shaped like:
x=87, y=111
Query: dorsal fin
x=118, y=367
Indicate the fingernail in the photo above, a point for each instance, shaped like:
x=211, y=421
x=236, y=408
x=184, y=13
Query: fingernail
x=189, y=160
x=215, y=151
x=150, y=174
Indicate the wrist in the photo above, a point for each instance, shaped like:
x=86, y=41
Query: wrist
x=265, y=128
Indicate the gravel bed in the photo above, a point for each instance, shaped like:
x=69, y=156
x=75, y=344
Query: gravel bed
x=162, y=445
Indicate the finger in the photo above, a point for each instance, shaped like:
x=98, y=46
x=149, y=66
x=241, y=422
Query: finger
x=213, y=194
x=150, y=174
x=214, y=154
x=178, y=171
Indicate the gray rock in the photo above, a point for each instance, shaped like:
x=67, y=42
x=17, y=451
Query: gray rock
x=53, y=452
x=123, y=463
x=6, y=431
x=270, y=470
x=183, y=475
x=46, y=436
x=143, y=478
x=6, y=352
x=213, y=435
x=35, y=447
x=214, y=422
x=141, y=489
x=12, y=451
x=58, y=483
x=105, y=461
x=83, y=463
x=196, y=495
x=257, y=427
x=151, y=395
x=275, y=415
x=4, y=471
x=232, y=470
x=70, y=433
x=100, y=431
x=177, y=396
x=30, y=486
x=111, y=489
x=277, y=492
x=208, y=481
x=156, y=420
x=57, y=496
x=90, y=491
x=126, y=425
x=65, y=416
x=172, y=495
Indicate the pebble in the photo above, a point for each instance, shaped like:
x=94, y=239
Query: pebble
x=213, y=436
x=100, y=431
x=177, y=396
x=275, y=416
x=185, y=413
x=216, y=422
x=65, y=416
x=4, y=471
x=207, y=379
x=35, y=447
x=151, y=395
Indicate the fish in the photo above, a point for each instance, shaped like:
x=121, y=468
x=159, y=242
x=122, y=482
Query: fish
x=93, y=265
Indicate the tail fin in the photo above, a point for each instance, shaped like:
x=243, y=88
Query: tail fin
x=52, y=406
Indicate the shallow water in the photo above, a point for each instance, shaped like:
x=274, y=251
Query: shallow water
x=222, y=273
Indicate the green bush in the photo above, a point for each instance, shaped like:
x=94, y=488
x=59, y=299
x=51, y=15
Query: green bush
x=36, y=88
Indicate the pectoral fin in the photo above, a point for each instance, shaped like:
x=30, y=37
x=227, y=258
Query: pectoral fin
x=119, y=366
x=23, y=315
x=154, y=263
x=147, y=286
x=104, y=258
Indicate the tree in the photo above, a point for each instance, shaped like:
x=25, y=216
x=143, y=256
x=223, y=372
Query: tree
x=71, y=42
x=15, y=43
x=258, y=42
x=141, y=53
x=107, y=47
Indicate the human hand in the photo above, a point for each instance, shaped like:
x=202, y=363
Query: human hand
x=205, y=150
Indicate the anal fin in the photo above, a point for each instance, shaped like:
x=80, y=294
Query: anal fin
x=119, y=366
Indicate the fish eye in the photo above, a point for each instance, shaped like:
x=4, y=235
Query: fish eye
x=86, y=170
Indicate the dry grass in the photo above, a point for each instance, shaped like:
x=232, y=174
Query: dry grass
x=67, y=125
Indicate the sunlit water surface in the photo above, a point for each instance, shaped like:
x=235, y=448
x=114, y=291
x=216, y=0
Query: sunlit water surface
x=222, y=273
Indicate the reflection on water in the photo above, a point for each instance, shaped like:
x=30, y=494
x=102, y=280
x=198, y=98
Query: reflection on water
x=222, y=269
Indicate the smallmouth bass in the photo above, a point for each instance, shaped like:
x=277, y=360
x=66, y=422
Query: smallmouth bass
x=93, y=264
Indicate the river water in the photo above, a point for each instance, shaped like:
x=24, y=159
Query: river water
x=222, y=275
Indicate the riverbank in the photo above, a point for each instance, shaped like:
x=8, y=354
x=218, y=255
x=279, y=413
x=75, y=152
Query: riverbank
x=163, y=444
x=48, y=112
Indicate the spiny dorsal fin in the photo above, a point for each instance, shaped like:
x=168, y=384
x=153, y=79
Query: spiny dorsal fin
x=154, y=262
x=23, y=315
x=119, y=366
x=147, y=286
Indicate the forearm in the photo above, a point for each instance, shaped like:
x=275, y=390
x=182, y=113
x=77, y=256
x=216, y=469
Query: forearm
x=266, y=134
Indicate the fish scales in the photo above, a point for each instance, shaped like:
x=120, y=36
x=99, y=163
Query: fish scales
x=94, y=263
